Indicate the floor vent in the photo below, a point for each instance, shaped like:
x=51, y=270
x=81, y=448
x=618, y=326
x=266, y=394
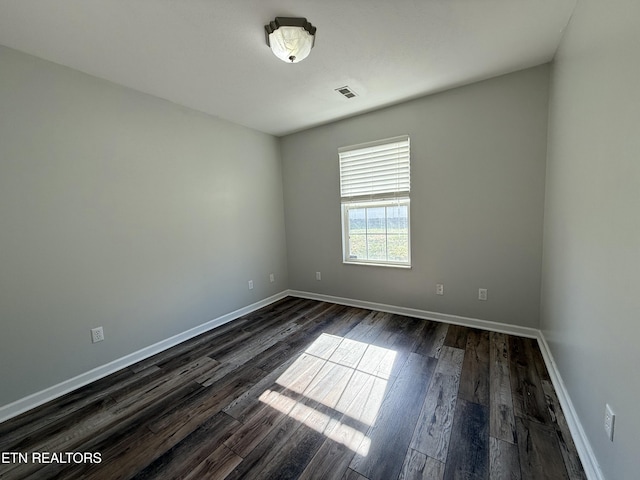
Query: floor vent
x=346, y=92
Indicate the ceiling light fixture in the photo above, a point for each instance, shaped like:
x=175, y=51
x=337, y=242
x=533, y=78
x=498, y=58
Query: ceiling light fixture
x=290, y=39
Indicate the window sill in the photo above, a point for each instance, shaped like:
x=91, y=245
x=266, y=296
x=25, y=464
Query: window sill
x=373, y=264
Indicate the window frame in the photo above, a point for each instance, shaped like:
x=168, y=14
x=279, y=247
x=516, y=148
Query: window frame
x=399, y=195
x=346, y=234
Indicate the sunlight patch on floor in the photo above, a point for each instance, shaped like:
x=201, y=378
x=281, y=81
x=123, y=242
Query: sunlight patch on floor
x=335, y=387
x=330, y=427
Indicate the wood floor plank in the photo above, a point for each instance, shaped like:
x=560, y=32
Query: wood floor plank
x=221, y=347
x=315, y=326
x=418, y=466
x=286, y=450
x=330, y=461
x=317, y=378
x=433, y=338
x=538, y=360
x=191, y=345
x=249, y=401
x=256, y=346
x=179, y=460
x=349, y=317
x=126, y=446
x=337, y=386
x=369, y=327
x=324, y=346
x=329, y=321
x=328, y=313
x=502, y=422
x=140, y=447
x=217, y=344
x=160, y=385
x=504, y=463
x=216, y=466
x=124, y=408
x=363, y=401
x=221, y=334
x=539, y=452
x=359, y=404
x=129, y=449
x=456, y=336
x=401, y=333
x=304, y=444
x=526, y=387
x=258, y=426
x=391, y=434
x=353, y=475
x=474, y=381
x=301, y=373
x=209, y=400
x=330, y=383
x=470, y=436
x=25, y=440
x=18, y=433
x=349, y=353
x=379, y=361
x=399, y=336
x=336, y=320
x=269, y=448
x=433, y=431
x=286, y=310
x=559, y=423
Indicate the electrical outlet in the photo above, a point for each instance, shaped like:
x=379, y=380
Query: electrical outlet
x=482, y=294
x=250, y=284
x=318, y=276
x=272, y=277
x=439, y=289
x=97, y=334
x=609, y=421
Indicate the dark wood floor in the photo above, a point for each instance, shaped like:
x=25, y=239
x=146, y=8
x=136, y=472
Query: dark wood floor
x=306, y=389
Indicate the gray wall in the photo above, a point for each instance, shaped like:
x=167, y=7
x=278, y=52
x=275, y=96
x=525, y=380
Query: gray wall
x=122, y=210
x=478, y=171
x=591, y=269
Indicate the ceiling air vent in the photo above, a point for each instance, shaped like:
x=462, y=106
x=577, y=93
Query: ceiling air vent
x=346, y=92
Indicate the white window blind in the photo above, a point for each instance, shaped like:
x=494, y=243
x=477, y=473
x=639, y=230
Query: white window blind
x=375, y=170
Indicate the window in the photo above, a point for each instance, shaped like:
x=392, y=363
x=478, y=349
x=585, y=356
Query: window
x=374, y=190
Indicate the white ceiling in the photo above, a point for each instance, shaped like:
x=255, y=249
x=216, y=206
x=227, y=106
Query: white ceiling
x=211, y=55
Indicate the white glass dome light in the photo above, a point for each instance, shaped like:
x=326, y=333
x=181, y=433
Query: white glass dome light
x=290, y=39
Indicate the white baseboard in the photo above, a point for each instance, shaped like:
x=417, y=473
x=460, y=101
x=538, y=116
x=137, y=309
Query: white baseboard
x=424, y=314
x=588, y=458
x=583, y=446
x=27, y=403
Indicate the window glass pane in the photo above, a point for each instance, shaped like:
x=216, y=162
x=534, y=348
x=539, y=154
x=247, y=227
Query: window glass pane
x=376, y=220
x=397, y=218
x=357, y=222
x=398, y=248
x=377, y=246
x=357, y=246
